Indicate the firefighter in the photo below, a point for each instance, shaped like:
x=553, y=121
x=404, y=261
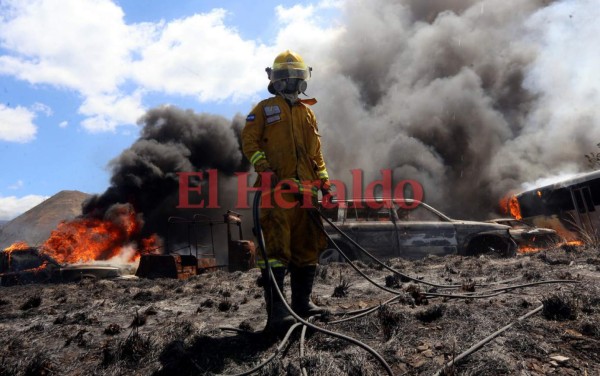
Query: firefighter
x=282, y=141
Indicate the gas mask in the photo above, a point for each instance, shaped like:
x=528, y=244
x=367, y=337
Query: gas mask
x=290, y=86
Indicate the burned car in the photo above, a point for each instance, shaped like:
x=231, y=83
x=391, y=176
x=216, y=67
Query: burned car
x=409, y=229
x=528, y=236
x=29, y=265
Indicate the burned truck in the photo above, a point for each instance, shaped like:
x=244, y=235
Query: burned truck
x=184, y=260
x=570, y=206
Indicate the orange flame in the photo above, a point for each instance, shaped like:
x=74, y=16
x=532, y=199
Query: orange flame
x=23, y=246
x=509, y=205
x=527, y=249
x=17, y=246
x=89, y=239
x=151, y=244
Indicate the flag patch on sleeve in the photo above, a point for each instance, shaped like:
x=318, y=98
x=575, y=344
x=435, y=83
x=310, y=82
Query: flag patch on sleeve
x=250, y=117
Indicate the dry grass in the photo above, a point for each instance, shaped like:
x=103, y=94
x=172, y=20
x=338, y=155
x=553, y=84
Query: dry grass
x=96, y=327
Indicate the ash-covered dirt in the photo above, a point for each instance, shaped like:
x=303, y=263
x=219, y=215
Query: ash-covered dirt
x=170, y=327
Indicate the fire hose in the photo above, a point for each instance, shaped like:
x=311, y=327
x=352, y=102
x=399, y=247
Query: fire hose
x=261, y=243
x=484, y=341
x=494, y=292
x=360, y=313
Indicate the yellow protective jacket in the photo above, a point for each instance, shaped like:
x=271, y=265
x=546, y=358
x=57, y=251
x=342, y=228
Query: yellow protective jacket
x=285, y=140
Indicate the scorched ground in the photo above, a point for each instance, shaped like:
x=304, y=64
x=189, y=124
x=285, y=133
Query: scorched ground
x=167, y=327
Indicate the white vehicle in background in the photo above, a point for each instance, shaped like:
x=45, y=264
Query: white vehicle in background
x=571, y=207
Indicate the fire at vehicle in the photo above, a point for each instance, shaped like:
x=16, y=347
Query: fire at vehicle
x=110, y=247
x=92, y=239
x=22, y=264
x=569, y=207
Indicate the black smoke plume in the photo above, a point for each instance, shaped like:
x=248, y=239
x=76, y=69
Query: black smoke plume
x=172, y=140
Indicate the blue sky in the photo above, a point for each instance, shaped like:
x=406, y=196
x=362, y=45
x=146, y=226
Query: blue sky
x=76, y=74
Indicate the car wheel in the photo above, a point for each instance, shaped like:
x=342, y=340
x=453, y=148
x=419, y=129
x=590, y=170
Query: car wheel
x=491, y=245
x=86, y=278
x=331, y=254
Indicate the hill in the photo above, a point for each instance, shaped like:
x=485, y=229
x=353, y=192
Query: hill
x=34, y=226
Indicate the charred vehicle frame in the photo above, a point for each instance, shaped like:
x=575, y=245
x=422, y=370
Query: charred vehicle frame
x=410, y=229
x=22, y=266
x=529, y=236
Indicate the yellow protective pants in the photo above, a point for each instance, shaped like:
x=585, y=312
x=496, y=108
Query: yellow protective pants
x=291, y=235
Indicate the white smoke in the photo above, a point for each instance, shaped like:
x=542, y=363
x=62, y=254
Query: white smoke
x=471, y=98
x=563, y=122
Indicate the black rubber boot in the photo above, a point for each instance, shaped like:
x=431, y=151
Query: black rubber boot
x=302, y=284
x=279, y=319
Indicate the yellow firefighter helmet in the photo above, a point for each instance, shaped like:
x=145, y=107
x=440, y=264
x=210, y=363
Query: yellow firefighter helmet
x=288, y=64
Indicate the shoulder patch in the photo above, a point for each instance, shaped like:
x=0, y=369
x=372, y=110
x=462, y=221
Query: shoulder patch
x=251, y=117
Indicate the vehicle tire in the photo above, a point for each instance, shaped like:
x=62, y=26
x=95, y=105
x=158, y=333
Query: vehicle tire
x=331, y=254
x=491, y=245
x=86, y=278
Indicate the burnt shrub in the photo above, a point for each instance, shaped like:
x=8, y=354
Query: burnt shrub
x=468, y=286
x=7, y=369
x=135, y=348
x=389, y=320
x=588, y=303
x=176, y=360
x=431, y=314
x=112, y=329
x=109, y=353
x=246, y=326
x=418, y=297
x=341, y=290
x=33, y=302
x=590, y=328
x=532, y=275
x=144, y=296
x=40, y=364
x=392, y=281
x=60, y=319
x=224, y=305
x=559, y=307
